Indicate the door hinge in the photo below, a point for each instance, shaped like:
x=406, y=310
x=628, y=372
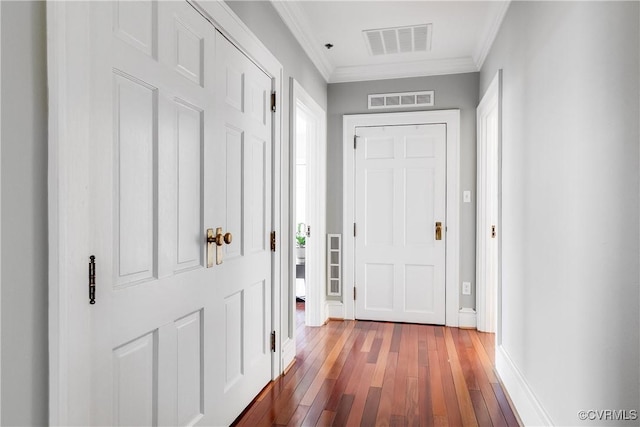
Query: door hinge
x=92, y=279
x=273, y=241
x=355, y=141
x=273, y=102
x=354, y=229
x=273, y=341
x=354, y=292
x=493, y=231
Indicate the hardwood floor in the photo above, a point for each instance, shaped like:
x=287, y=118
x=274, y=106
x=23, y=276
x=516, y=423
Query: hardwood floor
x=361, y=373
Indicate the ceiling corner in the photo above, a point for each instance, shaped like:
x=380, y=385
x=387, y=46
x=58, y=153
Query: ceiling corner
x=489, y=36
x=297, y=23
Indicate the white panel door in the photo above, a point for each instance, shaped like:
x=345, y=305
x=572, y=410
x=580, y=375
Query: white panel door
x=241, y=177
x=400, y=174
x=172, y=341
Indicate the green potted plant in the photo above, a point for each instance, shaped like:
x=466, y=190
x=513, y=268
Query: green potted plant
x=301, y=240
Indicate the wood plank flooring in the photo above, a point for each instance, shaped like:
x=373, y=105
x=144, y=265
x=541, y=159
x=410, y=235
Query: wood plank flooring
x=361, y=373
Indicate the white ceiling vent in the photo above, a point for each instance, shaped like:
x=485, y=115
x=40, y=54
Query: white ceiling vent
x=387, y=41
x=401, y=100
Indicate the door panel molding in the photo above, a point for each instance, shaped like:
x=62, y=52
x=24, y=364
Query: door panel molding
x=452, y=120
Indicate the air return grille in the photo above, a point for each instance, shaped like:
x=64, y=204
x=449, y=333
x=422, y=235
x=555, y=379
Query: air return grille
x=334, y=250
x=401, y=100
x=387, y=41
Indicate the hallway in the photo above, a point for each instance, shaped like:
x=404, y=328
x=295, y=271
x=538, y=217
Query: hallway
x=371, y=373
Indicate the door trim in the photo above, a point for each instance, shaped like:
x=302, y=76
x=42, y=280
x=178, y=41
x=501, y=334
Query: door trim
x=68, y=82
x=315, y=314
x=487, y=298
x=452, y=119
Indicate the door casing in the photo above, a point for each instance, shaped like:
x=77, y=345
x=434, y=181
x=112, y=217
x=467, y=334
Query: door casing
x=315, y=313
x=452, y=120
x=68, y=170
x=488, y=197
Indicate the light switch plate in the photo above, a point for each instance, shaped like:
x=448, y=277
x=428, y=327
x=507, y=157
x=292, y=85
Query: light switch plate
x=466, y=196
x=466, y=288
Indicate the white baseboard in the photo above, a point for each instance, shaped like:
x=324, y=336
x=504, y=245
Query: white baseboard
x=335, y=310
x=467, y=318
x=288, y=350
x=522, y=397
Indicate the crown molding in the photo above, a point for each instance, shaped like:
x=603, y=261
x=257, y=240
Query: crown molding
x=483, y=48
x=432, y=67
x=298, y=24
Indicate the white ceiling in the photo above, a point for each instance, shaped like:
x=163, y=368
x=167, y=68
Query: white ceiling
x=462, y=34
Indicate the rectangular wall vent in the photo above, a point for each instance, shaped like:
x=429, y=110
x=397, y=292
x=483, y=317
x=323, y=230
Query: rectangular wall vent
x=388, y=41
x=334, y=257
x=401, y=100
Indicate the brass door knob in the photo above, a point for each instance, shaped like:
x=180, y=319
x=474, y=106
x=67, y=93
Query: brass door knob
x=228, y=238
x=218, y=239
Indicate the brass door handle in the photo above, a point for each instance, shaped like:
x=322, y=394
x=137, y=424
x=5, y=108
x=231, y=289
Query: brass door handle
x=228, y=238
x=218, y=239
x=438, y=230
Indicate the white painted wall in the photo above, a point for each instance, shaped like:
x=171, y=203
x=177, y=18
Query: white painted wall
x=570, y=292
x=24, y=214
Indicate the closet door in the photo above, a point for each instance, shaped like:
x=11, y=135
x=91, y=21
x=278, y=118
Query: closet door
x=178, y=133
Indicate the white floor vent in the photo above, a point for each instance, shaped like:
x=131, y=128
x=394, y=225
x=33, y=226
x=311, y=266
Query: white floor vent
x=401, y=100
x=334, y=255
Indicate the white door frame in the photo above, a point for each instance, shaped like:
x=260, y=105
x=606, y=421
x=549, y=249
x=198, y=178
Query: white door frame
x=452, y=226
x=315, y=314
x=68, y=246
x=488, y=291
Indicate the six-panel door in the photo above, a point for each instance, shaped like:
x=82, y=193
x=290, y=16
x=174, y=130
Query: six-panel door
x=400, y=174
x=181, y=140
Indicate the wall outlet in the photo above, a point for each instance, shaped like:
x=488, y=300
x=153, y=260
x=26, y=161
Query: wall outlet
x=466, y=288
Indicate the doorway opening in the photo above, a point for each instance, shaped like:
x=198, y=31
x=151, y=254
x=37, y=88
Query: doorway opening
x=308, y=205
x=303, y=127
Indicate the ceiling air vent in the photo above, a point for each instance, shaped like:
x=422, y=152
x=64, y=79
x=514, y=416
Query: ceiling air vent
x=401, y=100
x=387, y=41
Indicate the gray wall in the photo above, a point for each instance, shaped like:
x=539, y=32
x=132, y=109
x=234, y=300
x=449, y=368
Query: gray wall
x=24, y=215
x=263, y=20
x=570, y=294
x=457, y=91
